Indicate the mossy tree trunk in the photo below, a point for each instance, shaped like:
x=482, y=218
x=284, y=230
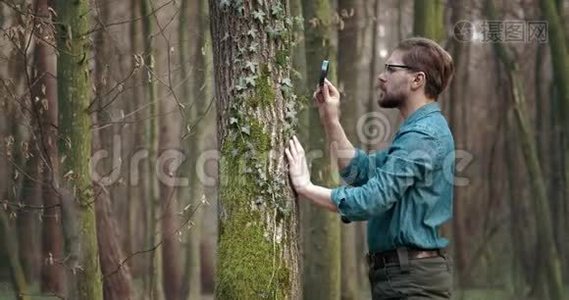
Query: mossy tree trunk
x=258, y=223
x=549, y=277
x=560, y=63
x=350, y=56
x=322, y=247
x=428, y=19
x=74, y=90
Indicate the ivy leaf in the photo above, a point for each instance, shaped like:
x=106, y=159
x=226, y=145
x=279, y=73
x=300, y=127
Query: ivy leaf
x=233, y=120
x=252, y=32
x=250, y=80
x=253, y=47
x=250, y=65
x=224, y=3
x=287, y=82
x=239, y=87
x=246, y=129
x=276, y=10
x=259, y=15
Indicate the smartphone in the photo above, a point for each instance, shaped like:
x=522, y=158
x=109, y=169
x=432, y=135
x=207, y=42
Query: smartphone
x=324, y=71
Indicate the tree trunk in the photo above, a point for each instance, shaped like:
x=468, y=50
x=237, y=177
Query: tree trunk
x=137, y=195
x=456, y=91
x=116, y=276
x=256, y=118
x=16, y=270
x=520, y=259
x=550, y=276
x=322, y=249
x=350, y=56
x=560, y=63
x=428, y=19
x=74, y=90
x=200, y=99
x=169, y=139
x=27, y=219
x=52, y=272
x=153, y=276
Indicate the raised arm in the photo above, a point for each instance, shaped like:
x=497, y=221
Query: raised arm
x=327, y=99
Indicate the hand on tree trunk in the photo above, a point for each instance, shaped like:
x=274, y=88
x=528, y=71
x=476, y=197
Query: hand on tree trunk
x=297, y=166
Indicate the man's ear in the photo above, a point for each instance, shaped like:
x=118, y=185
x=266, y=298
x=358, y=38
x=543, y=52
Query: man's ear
x=419, y=80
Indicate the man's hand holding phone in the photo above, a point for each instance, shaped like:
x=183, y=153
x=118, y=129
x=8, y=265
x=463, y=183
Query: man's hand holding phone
x=327, y=99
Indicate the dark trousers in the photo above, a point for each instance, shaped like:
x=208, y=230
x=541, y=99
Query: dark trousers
x=418, y=278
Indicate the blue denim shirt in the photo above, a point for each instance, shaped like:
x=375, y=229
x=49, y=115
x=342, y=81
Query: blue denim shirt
x=405, y=192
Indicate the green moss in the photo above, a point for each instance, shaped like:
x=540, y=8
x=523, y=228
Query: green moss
x=250, y=265
x=264, y=93
x=281, y=59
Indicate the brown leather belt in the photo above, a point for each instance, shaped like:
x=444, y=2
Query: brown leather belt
x=380, y=259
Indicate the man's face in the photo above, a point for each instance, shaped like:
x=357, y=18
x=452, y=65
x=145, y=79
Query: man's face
x=394, y=82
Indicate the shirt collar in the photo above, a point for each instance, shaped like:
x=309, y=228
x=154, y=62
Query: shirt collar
x=421, y=112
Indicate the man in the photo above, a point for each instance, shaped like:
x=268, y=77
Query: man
x=405, y=191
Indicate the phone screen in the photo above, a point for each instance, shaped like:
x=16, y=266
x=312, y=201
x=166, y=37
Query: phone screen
x=323, y=71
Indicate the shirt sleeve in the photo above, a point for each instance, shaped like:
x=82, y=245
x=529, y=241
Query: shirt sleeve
x=413, y=155
x=360, y=168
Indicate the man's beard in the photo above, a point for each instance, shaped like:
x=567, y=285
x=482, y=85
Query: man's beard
x=391, y=100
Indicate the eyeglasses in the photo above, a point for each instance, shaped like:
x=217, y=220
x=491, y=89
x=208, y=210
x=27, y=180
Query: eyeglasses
x=391, y=68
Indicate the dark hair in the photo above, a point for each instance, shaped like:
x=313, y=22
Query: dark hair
x=427, y=56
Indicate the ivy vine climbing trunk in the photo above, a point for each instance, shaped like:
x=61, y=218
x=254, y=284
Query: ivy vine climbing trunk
x=258, y=223
x=74, y=91
x=322, y=249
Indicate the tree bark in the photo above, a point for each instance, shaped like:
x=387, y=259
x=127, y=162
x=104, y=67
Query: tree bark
x=256, y=116
x=74, y=90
